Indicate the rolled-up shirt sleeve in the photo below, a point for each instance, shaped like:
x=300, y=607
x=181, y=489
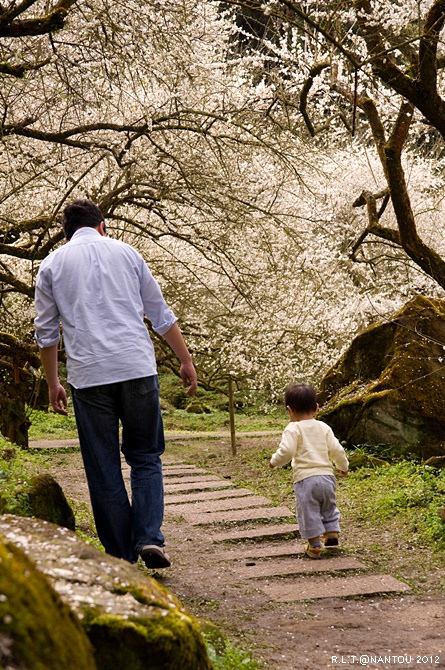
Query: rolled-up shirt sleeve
x=156, y=309
x=47, y=321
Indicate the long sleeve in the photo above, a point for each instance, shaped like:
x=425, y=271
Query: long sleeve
x=336, y=452
x=288, y=446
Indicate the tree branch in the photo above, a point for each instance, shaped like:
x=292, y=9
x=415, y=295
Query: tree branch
x=54, y=20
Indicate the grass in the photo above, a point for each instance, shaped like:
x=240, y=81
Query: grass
x=206, y=412
x=389, y=512
x=51, y=426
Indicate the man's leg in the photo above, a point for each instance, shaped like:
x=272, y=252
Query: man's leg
x=142, y=445
x=97, y=419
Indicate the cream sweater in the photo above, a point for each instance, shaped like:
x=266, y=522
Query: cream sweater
x=312, y=447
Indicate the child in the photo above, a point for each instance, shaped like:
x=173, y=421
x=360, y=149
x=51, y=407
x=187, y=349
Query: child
x=312, y=447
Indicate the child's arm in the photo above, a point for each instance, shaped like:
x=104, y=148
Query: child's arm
x=287, y=449
x=337, y=454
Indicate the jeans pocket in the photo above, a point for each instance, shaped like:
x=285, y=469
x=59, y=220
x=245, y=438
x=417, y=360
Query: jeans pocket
x=145, y=386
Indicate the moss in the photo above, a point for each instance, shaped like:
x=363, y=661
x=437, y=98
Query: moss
x=152, y=594
x=168, y=641
x=388, y=387
x=40, y=630
x=361, y=460
x=437, y=462
x=47, y=501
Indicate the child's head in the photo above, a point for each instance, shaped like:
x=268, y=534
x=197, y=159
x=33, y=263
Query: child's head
x=301, y=398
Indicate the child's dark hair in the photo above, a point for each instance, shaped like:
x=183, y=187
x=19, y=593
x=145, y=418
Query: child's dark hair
x=301, y=398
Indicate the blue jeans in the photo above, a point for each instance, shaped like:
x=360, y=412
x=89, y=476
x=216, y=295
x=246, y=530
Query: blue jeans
x=123, y=527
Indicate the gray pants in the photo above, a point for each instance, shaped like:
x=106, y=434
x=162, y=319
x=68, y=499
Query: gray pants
x=317, y=511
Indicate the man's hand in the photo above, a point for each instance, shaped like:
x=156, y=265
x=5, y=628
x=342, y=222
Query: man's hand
x=57, y=398
x=189, y=377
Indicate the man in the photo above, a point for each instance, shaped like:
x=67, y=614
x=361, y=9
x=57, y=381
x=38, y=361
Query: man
x=99, y=289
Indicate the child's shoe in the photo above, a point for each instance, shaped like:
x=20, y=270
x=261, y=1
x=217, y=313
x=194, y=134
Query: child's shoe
x=313, y=551
x=331, y=540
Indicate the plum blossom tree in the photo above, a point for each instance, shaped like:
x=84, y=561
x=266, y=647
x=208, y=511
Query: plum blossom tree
x=372, y=70
x=202, y=155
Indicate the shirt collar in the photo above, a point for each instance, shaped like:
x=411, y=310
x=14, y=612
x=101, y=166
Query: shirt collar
x=86, y=231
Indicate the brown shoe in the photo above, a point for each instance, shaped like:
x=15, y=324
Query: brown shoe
x=154, y=557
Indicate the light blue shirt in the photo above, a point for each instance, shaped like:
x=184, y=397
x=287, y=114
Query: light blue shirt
x=99, y=290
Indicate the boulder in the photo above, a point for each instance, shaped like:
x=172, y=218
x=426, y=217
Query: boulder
x=131, y=621
x=388, y=388
x=41, y=497
x=37, y=630
x=47, y=501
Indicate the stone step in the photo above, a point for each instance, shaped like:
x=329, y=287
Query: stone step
x=205, y=507
x=219, y=494
x=299, y=566
x=260, y=533
x=238, y=515
x=193, y=479
x=196, y=486
x=179, y=471
x=309, y=588
x=261, y=550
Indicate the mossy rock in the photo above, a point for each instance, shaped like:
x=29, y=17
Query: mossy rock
x=163, y=642
x=132, y=621
x=37, y=630
x=388, y=387
x=437, y=462
x=47, y=501
x=42, y=497
x=361, y=460
x=197, y=407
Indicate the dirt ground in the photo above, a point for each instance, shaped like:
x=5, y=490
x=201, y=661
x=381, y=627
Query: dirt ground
x=397, y=631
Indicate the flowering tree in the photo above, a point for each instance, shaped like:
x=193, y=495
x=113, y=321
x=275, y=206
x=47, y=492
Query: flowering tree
x=198, y=153
x=337, y=66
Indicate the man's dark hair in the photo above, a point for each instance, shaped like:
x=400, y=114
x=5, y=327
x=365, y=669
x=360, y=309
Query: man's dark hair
x=80, y=214
x=301, y=398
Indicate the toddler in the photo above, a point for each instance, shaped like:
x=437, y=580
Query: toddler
x=312, y=447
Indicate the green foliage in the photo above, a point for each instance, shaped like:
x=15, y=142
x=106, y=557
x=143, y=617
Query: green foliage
x=17, y=468
x=408, y=492
x=232, y=659
x=49, y=425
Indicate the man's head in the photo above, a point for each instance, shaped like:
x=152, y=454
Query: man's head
x=301, y=398
x=81, y=214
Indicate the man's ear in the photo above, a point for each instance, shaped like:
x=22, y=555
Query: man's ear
x=101, y=228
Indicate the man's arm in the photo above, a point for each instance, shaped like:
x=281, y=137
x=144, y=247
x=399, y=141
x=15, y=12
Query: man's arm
x=57, y=395
x=187, y=371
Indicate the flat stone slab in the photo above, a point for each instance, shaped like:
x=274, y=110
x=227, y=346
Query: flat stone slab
x=54, y=444
x=180, y=498
x=205, y=507
x=196, y=486
x=254, y=551
x=299, y=566
x=338, y=587
x=192, y=479
x=259, y=533
x=174, y=471
x=237, y=515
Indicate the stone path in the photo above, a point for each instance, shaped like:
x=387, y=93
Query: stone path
x=208, y=501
